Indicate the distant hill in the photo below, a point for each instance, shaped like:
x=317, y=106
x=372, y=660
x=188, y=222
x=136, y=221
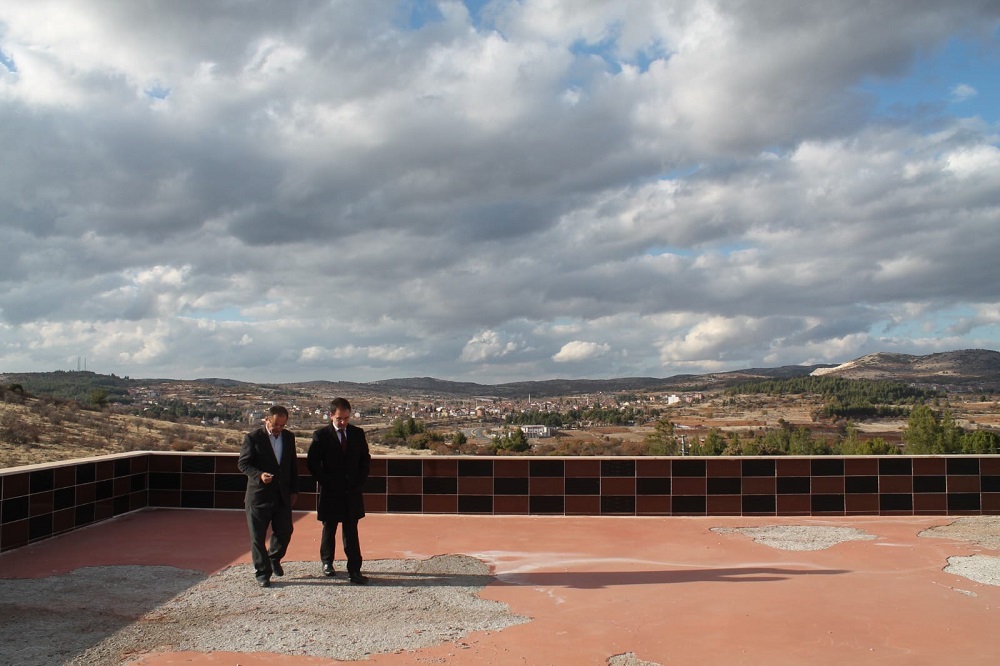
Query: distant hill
x=68, y=385
x=969, y=369
x=966, y=368
x=568, y=387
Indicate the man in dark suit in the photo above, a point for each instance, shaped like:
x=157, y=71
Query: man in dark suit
x=339, y=461
x=268, y=459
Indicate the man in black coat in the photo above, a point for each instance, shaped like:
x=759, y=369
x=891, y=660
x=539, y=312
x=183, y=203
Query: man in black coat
x=339, y=461
x=268, y=459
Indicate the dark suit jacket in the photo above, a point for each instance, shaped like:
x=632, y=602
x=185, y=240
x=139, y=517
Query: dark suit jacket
x=256, y=456
x=341, y=476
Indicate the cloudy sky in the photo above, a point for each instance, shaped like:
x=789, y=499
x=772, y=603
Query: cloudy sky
x=497, y=190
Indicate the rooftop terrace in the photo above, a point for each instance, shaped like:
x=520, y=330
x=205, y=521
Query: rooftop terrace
x=666, y=590
x=137, y=582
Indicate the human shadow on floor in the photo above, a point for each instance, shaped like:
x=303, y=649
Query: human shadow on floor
x=588, y=580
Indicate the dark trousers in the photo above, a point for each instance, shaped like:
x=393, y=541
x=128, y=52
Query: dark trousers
x=279, y=516
x=352, y=544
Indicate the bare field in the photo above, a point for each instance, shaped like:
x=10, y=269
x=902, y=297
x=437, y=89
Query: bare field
x=36, y=431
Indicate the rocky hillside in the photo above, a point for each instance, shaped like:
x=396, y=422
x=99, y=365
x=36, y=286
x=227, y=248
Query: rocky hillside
x=967, y=368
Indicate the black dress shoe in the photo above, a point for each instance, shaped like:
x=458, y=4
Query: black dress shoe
x=263, y=581
x=359, y=579
x=328, y=569
x=276, y=567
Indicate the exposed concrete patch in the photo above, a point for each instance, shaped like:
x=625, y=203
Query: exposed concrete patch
x=799, y=537
x=104, y=615
x=981, y=530
x=55, y=620
x=629, y=659
x=979, y=568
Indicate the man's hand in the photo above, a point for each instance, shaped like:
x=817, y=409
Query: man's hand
x=294, y=497
x=266, y=477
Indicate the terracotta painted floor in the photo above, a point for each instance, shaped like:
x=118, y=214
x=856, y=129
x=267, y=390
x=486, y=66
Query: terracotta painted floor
x=669, y=589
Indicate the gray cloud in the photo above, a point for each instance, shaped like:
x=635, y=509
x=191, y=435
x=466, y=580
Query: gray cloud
x=320, y=190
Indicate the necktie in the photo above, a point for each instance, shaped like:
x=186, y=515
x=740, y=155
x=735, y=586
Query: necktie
x=343, y=440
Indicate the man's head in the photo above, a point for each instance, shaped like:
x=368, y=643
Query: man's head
x=340, y=413
x=277, y=417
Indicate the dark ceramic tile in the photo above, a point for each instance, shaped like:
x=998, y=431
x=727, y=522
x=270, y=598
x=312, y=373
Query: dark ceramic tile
x=41, y=503
x=440, y=486
x=827, y=504
x=14, y=535
x=434, y=467
x=724, y=505
x=723, y=486
x=546, y=468
x=793, y=505
x=620, y=468
x=936, y=503
x=197, y=499
x=412, y=468
x=794, y=485
x=724, y=467
x=758, y=467
x=403, y=504
x=440, y=504
x=652, y=505
x=653, y=467
x=759, y=485
x=688, y=505
x=546, y=486
x=510, y=486
x=826, y=467
x=964, y=502
x=759, y=504
x=618, y=504
x=963, y=466
x=617, y=486
x=792, y=467
x=583, y=468
x=895, y=502
x=511, y=505
x=510, y=468
x=689, y=468
x=475, y=468
x=861, y=467
x=963, y=484
x=546, y=504
x=404, y=485
x=652, y=486
x=583, y=486
x=688, y=486
x=862, y=504
x=583, y=505
x=862, y=485
x=895, y=466
x=15, y=485
x=475, y=485
x=930, y=484
x=475, y=504
x=930, y=466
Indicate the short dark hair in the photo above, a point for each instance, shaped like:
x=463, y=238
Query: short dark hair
x=277, y=410
x=339, y=403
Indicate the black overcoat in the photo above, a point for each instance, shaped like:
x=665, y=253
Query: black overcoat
x=341, y=476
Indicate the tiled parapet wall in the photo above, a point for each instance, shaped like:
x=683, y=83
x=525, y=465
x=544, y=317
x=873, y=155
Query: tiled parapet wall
x=688, y=486
x=45, y=500
x=40, y=501
x=785, y=486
